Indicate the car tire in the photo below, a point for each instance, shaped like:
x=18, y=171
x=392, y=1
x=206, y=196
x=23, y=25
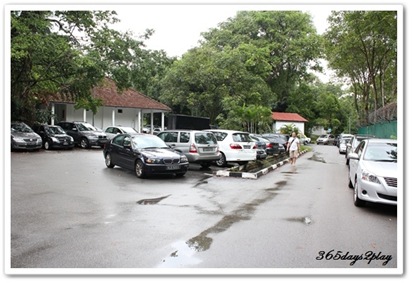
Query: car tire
x=47, y=145
x=138, y=169
x=350, y=185
x=222, y=161
x=84, y=143
x=356, y=200
x=108, y=161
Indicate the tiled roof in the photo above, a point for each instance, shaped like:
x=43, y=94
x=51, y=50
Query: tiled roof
x=129, y=98
x=284, y=116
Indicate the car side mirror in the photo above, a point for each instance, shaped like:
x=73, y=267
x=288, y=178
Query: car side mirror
x=353, y=155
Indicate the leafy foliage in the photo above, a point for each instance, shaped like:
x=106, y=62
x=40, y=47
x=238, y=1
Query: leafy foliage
x=362, y=46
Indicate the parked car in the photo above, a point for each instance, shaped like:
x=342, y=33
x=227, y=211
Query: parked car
x=54, y=136
x=148, y=129
x=281, y=140
x=112, y=131
x=353, y=143
x=261, y=146
x=325, y=139
x=373, y=172
x=145, y=154
x=234, y=146
x=270, y=147
x=343, y=144
x=339, y=138
x=199, y=146
x=23, y=137
x=84, y=134
x=303, y=139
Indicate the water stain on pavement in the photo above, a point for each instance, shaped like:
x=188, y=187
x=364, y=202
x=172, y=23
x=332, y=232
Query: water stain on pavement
x=151, y=200
x=306, y=220
x=203, y=241
x=316, y=157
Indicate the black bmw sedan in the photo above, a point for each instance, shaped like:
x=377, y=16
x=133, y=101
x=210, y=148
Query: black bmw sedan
x=145, y=154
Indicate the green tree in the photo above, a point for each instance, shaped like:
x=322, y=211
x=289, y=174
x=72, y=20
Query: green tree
x=362, y=46
x=64, y=52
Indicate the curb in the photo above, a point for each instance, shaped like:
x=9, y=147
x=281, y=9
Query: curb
x=246, y=175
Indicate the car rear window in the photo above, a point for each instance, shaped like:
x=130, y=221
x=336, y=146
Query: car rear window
x=205, y=138
x=241, y=137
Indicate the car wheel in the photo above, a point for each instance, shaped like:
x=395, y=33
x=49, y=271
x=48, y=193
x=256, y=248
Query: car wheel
x=84, y=143
x=358, y=202
x=108, y=161
x=138, y=169
x=47, y=145
x=222, y=161
x=350, y=185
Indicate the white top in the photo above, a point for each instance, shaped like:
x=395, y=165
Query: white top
x=293, y=145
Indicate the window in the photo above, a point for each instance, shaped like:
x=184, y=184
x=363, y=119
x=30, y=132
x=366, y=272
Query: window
x=127, y=142
x=184, y=137
x=118, y=140
x=109, y=130
x=170, y=137
x=220, y=136
x=240, y=137
x=205, y=138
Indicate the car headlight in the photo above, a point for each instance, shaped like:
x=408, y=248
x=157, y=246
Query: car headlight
x=55, y=139
x=71, y=138
x=183, y=159
x=18, y=139
x=153, y=161
x=370, y=177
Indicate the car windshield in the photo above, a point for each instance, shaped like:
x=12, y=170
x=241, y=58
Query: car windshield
x=205, y=138
x=86, y=127
x=129, y=130
x=381, y=152
x=145, y=142
x=21, y=127
x=55, y=130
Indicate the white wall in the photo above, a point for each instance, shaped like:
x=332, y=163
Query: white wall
x=279, y=124
x=103, y=117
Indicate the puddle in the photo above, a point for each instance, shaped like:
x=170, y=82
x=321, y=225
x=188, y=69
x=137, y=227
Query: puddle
x=182, y=256
x=202, y=181
x=316, y=157
x=151, y=200
x=306, y=220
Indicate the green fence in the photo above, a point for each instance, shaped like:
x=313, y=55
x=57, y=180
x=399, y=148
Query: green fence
x=381, y=130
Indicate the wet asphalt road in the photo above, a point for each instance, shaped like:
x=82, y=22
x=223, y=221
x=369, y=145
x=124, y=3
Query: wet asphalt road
x=69, y=211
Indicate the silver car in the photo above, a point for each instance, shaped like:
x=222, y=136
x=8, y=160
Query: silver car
x=23, y=137
x=113, y=131
x=373, y=172
x=198, y=146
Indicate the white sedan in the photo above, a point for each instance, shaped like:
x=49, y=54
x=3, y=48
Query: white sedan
x=234, y=146
x=373, y=172
x=113, y=131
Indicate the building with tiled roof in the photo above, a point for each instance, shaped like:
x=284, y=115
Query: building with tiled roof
x=281, y=119
x=125, y=108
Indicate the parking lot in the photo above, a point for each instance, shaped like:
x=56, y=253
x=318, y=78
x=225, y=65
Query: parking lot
x=69, y=211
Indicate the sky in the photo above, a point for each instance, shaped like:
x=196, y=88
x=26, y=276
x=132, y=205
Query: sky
x=178, y=27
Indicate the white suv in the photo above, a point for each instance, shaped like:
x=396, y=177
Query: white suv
x=325, y=139
x=234, y=146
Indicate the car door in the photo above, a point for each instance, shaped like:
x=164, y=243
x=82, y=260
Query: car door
x=126, y=154
x=354, y=164
x=115, y=146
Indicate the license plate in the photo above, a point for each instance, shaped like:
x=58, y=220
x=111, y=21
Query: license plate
x=173, y=167
x=208, y=149
x=246, y=146
x=65, y=143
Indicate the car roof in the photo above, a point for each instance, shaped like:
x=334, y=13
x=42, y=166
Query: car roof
x=227, y=131
x=181, y=130
x=377, y=140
